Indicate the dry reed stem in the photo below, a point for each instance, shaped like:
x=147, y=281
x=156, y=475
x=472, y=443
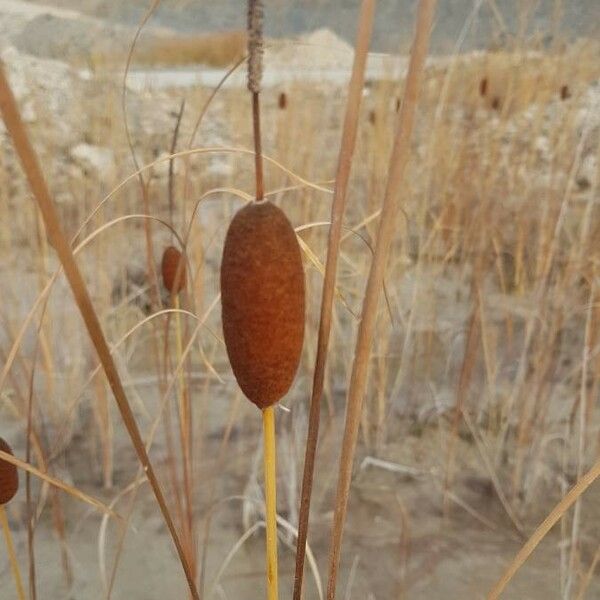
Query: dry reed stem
x=29, y=436
x=163, y=403
x=385, y=233
x=464, y=379
x=205, y=107
x=33, y=172
x=171, y=181
x=186, y=422
x=347, y=146
x=57, y=483
x=12, y=557
x=154, y=288
x=583, y=415
x=258, y=161
x=547, y=524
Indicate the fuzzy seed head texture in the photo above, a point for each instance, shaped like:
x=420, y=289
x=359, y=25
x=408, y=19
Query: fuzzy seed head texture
x=263, y=303
x=9, y=478
x=172, y=261
x=255, y=44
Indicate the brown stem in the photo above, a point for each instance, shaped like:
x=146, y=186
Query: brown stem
x=363, y=38
x=258, y=161
x=33, y=172
x=385, y=233
x=171, y=184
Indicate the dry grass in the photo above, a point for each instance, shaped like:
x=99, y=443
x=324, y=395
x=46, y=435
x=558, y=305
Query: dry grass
x=218, y=49
x=488, y=341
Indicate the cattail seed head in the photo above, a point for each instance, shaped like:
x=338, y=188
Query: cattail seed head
x=255, y=44
x=483, y=86
x=9, y=478
x=262, y=296
x=173, y=270
x=565, y=92
x=282, y=101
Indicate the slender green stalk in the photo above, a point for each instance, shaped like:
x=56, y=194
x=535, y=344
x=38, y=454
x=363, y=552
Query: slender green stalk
x=270, y=501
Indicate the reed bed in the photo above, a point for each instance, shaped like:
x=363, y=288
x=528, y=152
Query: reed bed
x=473, y=416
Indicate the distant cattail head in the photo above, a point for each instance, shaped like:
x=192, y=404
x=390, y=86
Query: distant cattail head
x=372, y=117
x=255, y=44
x=282, y=102
x=173, y=270
x=9, y=479
x=483, y=86
x=565, y=92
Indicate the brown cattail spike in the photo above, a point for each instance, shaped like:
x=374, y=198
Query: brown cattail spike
x=255, y=44
x=483, y=86
x=282, y=101
x=173, y=270
x=565, y=92
x=262, y=295
x=9, y=478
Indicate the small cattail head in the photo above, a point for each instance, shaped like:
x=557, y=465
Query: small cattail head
x=255, y=44
x=173, y=270
x=262, y=297
x=565, y=92
x=282, y=101
x=483, y=87
x=9, y=479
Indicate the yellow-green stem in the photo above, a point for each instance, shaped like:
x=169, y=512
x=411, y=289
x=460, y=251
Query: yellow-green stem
x=185, y=427
x=12, y=557
x=183, y=413
x=271, y=500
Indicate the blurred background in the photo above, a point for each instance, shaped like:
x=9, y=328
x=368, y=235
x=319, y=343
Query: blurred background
x=481, y=409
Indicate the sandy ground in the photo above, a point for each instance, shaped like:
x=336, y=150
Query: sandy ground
x=397, y=544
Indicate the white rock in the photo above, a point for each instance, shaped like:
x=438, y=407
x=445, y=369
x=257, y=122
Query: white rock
x=97, y=161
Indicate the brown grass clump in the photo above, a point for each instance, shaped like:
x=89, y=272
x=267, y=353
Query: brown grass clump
x=9, y=479
x=262, y=287
x=219, y=49
x=173, y=270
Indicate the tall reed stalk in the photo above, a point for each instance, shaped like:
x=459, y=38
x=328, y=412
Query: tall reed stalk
x=544, y=528
x=35, y=177
x=348, y=143
x=385, y=233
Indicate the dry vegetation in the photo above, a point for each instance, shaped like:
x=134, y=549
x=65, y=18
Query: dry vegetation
x=481, y=409
x=215, y=49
